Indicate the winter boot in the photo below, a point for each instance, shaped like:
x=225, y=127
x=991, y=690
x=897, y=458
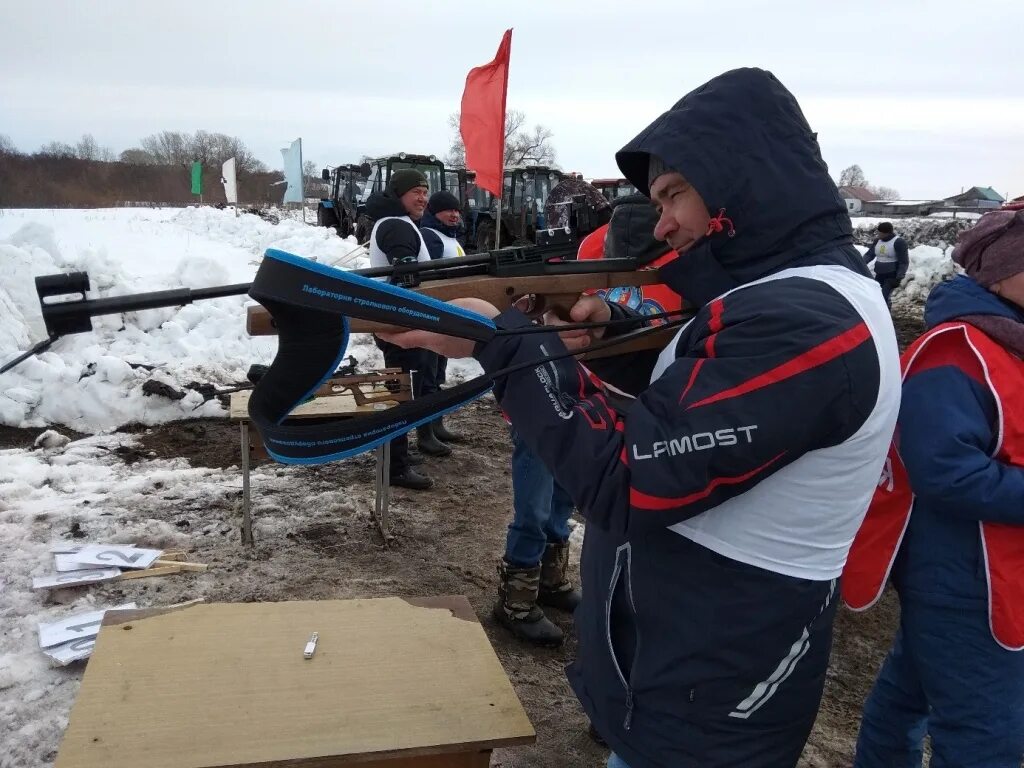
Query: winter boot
x=441, y=433
x=517, y=608
x=410, y=478
x=556, y=590
x=428, y=444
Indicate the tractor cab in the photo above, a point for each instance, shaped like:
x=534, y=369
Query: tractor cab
x=338, y=209
x=438, y=178
x=613, y=189
x=382, y=168
x=524, y=193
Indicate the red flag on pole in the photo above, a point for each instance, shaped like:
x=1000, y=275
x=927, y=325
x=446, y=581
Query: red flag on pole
x=482, y=124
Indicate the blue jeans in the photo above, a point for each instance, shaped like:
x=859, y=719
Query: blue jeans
x=614, y=761
x=541, y=508
x=947, y=677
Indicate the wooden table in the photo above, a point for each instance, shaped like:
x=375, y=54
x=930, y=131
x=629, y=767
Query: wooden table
x=393, y=683
x=344, y=396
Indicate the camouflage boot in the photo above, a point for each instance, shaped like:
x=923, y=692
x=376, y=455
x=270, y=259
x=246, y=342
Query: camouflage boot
x=517, y=609
x=556, y=590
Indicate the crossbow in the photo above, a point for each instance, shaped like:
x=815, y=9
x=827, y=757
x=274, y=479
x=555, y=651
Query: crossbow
x=314, y=307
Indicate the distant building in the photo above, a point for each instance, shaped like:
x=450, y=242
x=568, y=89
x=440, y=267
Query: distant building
x=975, y=197
x=900, y=207
x=855, y=197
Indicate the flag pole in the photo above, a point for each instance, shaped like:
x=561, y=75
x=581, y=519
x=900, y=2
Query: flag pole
x=497, y=210
x=302, y=182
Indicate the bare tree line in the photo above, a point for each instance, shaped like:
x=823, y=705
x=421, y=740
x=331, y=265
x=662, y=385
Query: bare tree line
x=163, y=148
x=854, y=177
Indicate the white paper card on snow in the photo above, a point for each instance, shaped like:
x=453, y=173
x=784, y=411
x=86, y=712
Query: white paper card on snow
x=66, y=562
x=67, y=548
x=75, y=627
x=120, y=556
x=73, y=578
x=74, y=650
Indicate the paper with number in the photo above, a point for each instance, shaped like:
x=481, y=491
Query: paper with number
x=74, y=578
x=66, y=562
x=120, y=556
x=75, y=650
x=75, y=627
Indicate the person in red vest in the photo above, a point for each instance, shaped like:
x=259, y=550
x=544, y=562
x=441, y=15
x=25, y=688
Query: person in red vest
x=947, y=523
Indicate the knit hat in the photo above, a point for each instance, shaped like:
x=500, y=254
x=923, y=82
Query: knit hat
x=655, y=169
x=443, y=201
x=993, y=249
x=404, y=180
x=885, y=228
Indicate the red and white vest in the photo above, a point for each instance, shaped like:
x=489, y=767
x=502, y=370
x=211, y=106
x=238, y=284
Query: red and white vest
x=878, y=541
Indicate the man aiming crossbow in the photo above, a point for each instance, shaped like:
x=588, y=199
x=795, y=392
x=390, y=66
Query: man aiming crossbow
x=721, y=505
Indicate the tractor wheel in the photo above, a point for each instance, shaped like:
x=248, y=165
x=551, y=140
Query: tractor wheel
x=364, y=228
x=485, y=236
x=326, y=217
x=345, y=228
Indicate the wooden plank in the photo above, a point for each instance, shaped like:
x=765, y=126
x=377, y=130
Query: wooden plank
x=181, y=565
x=226, y=686
x=335, y=405
x=447, y=760
x=163, y=570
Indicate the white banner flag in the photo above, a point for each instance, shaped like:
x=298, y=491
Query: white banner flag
x=293, y=172
x=229, y=180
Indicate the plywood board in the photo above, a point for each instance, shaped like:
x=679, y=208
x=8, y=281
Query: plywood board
x=211, y=686
x=320, y=406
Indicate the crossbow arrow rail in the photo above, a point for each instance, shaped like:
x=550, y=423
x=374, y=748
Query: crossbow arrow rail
x=314, y=308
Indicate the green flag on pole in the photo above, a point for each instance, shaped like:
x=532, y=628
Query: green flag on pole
x=197, y=178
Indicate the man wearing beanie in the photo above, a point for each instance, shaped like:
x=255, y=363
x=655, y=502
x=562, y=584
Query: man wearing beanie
x=395, y=239
x=721, y=505
x=891, y=258
x=440, y=229
x=954, y=512
x=440, y=226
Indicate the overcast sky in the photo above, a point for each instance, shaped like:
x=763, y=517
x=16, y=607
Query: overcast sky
x=926, y=97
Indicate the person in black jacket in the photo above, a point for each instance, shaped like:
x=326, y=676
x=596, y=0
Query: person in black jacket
x=721, y=503
x=441, y=227
x=891, y=258
x=396, y=240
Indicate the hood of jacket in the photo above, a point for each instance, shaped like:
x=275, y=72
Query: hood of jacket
x=743, y=143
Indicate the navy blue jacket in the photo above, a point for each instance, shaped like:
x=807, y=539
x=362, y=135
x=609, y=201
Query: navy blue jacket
x=671, y=634
x=896, y=269
x=434, y=245
x=947, y=433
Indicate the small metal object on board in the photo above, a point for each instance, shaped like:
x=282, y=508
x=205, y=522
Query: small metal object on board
x=310, y=649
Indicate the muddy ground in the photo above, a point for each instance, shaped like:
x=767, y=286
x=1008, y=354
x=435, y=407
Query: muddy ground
x=444, y=541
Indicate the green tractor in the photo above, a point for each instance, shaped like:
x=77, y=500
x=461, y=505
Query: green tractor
x=352, y=185
x=438, y=177
x=524, y=192
x=339, y=209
